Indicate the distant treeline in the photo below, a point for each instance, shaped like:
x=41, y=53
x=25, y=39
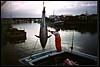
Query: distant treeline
x=81, y=23
x=77, y=20
x=78, y=27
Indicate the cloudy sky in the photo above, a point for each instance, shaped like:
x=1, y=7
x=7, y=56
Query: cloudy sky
x=33, y=9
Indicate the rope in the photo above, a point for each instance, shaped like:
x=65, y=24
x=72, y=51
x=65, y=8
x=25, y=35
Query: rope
x=34, y=48
x=35, y=44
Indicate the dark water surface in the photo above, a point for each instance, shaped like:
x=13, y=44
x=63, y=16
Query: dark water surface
x=84, y=42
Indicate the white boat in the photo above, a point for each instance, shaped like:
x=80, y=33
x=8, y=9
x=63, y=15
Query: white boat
x=59, y=23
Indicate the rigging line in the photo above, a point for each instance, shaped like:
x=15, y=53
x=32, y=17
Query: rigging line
x=33, y=49
x=35, y=44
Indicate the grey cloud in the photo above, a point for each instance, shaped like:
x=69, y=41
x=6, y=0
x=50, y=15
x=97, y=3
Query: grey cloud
x=79, y=10
x=8, y=12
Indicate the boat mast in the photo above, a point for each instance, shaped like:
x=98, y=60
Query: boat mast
x=53, y=16
x=53, y=12
x=72, y=42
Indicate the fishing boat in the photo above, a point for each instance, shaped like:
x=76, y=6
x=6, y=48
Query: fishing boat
x=15, y=36
x=59, y=23
x=57, y=58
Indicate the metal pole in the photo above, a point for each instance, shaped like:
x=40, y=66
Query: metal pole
x=72, y=42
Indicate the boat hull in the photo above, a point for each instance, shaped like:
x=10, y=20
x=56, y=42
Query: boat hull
x=58, y=58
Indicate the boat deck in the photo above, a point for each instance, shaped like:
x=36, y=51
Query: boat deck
x=57, y=58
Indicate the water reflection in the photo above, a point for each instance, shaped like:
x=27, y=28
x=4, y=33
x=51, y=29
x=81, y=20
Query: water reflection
x=84, y=42
x=92, y=29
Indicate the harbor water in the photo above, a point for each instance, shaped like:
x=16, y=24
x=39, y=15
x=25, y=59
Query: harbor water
x=86, y=42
